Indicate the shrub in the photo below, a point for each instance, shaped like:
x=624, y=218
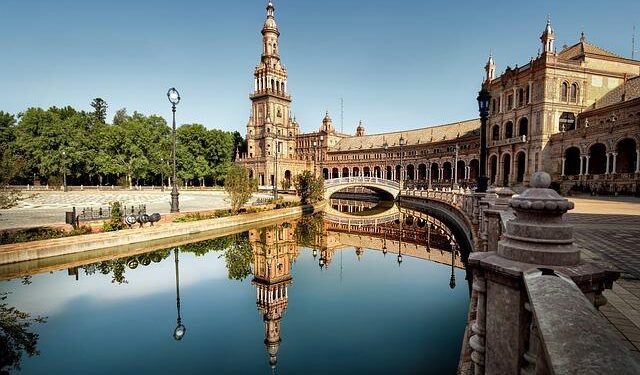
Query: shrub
x=116, y=221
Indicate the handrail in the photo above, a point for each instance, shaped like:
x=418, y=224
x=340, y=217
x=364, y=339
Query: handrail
x=585, y=345
x=352, y=179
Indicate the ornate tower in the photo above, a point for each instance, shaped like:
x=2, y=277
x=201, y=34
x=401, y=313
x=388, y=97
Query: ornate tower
x=360, y=129
x=274, y=250
x=490, y=69
x=270, y=128
x=548, y=37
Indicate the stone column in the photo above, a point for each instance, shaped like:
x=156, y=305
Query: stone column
x=638, y=161
x=606, y=171
x=615, y=160
x=477, y=340
x=441, y=174
x=586, y=169
x=581, y=165
x=564, y=162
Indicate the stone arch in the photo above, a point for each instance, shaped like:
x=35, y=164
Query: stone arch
x=334, y=173
x=564, y=91
x=389, y=174
x=325, y=173
x=506, y=168
x=474, y=169
x=508, y=130
x=356, y=172
x=521, y=165
x=460, y=170
x=377, y=172
x=447, y=171
x=493, y=168
x=345, y=172
x=411, y=172
x=572, y=161
x=422, y=171
x=435, y=172
x=597, y=158
x=627, y=149
x=398, y=170
x=523, y=126
x=366, y=172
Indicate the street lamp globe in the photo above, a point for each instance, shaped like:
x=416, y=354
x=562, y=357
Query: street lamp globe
x=179, y=332
x=173, y=95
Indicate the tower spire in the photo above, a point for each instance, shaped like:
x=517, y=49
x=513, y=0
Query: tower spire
x=548, y=37
x=490, y=68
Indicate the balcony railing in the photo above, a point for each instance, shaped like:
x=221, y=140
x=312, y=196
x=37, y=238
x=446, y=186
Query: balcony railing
x=509, y=141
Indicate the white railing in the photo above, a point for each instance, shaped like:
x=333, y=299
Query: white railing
x=509, y=141
x=361, y=179
x=361, y=221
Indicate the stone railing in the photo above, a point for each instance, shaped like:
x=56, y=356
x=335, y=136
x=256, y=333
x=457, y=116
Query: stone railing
x=361, y=179
x=529, y=283
x=509, y=141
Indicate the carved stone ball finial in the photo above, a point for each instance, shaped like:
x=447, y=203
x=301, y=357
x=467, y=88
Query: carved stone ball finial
x=540, y=180
x=539, y=234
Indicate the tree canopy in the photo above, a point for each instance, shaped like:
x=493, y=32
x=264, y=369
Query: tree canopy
x=134, y=149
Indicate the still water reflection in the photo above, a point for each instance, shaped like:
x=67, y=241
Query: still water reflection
x=330, y=299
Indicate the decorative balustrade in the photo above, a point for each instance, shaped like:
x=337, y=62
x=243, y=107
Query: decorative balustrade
x=528, y=282
x=509, y=141
x=361, y=179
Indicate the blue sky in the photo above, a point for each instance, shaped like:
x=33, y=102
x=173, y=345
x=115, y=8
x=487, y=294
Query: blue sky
x=397, y=64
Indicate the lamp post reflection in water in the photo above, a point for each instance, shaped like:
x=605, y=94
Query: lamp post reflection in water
x=400, y=241
x=180, y=330
x=452, y=280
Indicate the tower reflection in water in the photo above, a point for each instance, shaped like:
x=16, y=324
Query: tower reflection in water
x=276, y=248
x=274, y=251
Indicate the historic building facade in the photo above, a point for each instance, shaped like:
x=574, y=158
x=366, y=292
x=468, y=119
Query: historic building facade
x=542, y=102
x=534, y=110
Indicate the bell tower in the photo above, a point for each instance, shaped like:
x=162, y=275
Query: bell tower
x=548, y=37
x=270, y=128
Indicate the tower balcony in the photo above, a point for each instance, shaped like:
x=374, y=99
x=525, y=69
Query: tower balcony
x=270, y=92
x=509, y=141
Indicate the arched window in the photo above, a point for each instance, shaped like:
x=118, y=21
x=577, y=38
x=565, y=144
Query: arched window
x=508, y=130
x=520, y=97
x=495, y=133
x=523, y=126
x=564, y=91
x=574, y=93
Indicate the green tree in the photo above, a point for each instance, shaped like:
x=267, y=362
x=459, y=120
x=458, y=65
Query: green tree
x=309, y=188
x=307, y=230
x=10, y=166
x=239, y=186
x=15, y=336
x=99, y=109
x=7, y=128
x=238, y=257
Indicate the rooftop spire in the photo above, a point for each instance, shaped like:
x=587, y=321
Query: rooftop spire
x=548, y=36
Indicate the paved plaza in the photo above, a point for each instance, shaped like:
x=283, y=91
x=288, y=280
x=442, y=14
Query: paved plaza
x=48, y=207
x=608, y=230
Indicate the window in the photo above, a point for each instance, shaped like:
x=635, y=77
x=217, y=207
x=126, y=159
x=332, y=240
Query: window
x=574, y=93
x=520, y=97
x=526, y=94
x=510, y=101
x=564, y=90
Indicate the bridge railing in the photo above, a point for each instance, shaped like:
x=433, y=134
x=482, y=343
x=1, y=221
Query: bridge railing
x=361, y=221
x=361, y=179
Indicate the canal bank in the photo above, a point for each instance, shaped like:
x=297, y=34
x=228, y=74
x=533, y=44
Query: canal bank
x=132, y=238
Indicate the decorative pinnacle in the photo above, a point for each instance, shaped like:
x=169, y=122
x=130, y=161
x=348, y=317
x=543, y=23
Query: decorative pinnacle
x=540, y=198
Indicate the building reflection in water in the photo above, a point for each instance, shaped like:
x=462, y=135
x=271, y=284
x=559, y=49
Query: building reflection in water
x=274, y=251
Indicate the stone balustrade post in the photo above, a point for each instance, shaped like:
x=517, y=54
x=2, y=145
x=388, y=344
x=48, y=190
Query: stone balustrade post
x=536, y=238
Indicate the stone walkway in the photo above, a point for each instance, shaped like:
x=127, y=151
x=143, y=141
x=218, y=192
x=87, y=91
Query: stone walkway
x=48, y=207
x=608, y=230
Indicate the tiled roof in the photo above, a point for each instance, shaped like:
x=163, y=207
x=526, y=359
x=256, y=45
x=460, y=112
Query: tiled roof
x=462, y=129
x=630, y=89
x=584, y=48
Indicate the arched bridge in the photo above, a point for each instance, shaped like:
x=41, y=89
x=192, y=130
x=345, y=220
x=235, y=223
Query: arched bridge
x=334, y=185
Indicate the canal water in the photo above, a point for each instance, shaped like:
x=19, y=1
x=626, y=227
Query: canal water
x=310, y=296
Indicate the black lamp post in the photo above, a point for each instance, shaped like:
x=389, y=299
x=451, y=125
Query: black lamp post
x=64, y=170
x=174, y=99
x=401, y=161
x=180, y=330
x=483, y=106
